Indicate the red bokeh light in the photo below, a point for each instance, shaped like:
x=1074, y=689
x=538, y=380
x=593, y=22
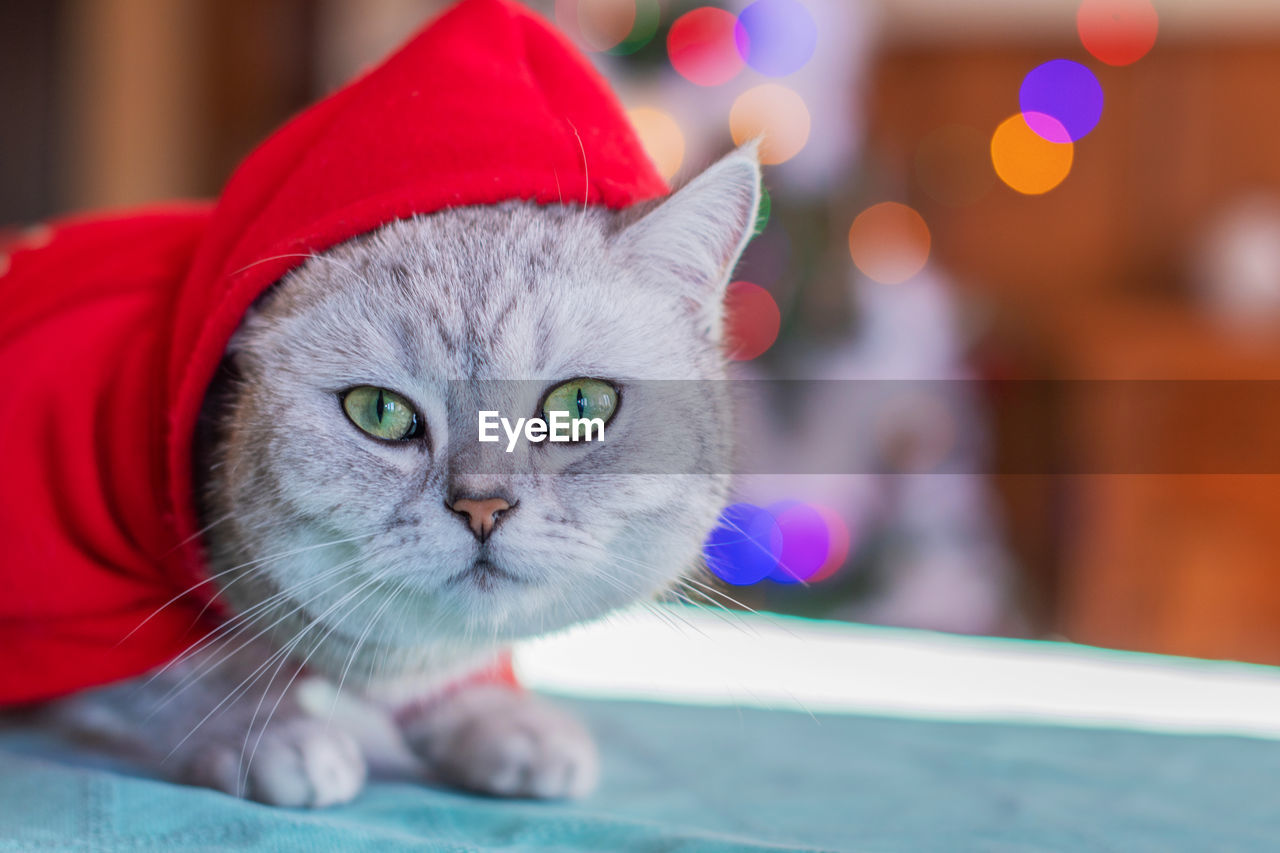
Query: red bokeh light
x=702, y=46
x=839, y=542
x=752, y=320
x=1117, y=32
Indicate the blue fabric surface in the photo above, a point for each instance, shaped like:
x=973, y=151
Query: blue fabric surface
x=707, y=779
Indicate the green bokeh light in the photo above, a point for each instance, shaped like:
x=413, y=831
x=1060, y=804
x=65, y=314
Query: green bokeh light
x=648, y=16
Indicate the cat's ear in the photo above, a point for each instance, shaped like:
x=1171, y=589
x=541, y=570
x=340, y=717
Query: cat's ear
x=697, y=235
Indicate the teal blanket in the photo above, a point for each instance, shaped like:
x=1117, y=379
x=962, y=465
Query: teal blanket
x=712, y=779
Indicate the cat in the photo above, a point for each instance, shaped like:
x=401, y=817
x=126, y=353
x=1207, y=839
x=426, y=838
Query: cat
x=396, y=564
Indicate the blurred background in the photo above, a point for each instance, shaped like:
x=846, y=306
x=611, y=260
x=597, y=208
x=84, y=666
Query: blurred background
x=985, y=213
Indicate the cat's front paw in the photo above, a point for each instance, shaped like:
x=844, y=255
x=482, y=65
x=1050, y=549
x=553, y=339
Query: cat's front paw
x=300, y=762
x=505, y=742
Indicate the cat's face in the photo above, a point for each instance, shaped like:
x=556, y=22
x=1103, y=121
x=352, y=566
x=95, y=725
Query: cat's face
x=372, y=549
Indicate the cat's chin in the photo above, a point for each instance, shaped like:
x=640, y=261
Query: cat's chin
x=486, y=576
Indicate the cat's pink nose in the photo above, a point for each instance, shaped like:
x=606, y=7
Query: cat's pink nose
x=482, y=515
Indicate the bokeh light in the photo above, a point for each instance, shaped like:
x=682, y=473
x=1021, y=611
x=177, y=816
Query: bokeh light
x=1025, y=160
x=647, y=17
x=1067, y=94
x=1117, y=32
x=596, y=24
x=952, y=165
x=752, y=320
x=805, y=541
x=776, y=37
x=889, y=242
x=703, y=48
x=777, y=115
x=661, y=137
x=839, y=543
x=744, y=546
x=788, y=542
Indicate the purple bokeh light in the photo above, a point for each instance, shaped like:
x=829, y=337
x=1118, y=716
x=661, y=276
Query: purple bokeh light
x=776, y=37
x=806, y=541
x=1066, y=91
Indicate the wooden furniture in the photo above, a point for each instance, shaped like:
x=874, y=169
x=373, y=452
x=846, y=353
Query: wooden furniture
x=1186, y=560
x=1090, y=282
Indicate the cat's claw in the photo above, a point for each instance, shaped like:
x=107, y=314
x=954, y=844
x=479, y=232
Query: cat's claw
x=505, y=742
x=299, y=763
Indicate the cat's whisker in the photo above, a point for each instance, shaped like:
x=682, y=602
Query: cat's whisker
x=384, y=665
x=372, y=581
x=644, y=571
x=242, y=781
x=224, y=587
x=237, y=623
x=586, y=170
x=192, y=679
x=672, y=618
x=228, y=627
x=216, y=575
x=244, y=622
x=248, y=681
x=355, y=651
x=687, y=579
x=760, y=546
x=623, y=561
x=203, y=530
x=309, y=256
x=716, y=606
x=257, y=673
x=619, y=561
x=685, y=599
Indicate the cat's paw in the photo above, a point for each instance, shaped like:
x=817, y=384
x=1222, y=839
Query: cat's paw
x=301, y=763
x=505, y=742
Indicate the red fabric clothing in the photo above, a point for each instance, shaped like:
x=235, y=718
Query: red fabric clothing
x=111, y=330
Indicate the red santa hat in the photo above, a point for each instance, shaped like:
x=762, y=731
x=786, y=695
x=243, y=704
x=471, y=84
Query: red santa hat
x=114, y=326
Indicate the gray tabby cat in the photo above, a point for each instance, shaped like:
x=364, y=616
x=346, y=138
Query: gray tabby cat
x=394, y=563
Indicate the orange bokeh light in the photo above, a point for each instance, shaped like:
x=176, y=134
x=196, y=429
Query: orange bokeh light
x=596, y=24
x=1025, y=160
x=775, y=114
x=661, y=137
x=889, y=242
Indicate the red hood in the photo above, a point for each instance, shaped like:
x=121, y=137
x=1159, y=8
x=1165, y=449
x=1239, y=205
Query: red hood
x=113, y=329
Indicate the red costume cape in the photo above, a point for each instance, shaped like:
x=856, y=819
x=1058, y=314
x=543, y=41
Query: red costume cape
x=111, y=327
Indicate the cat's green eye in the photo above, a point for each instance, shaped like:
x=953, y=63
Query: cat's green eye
x=582, y=398
x=381, y=413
